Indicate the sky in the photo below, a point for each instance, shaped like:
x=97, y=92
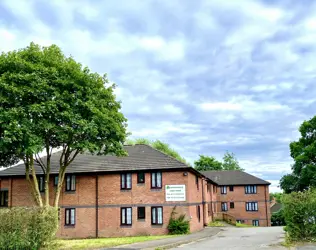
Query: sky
x=205, y=76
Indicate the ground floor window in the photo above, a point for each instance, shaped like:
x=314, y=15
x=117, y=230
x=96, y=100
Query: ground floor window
x=70, y=216
x=198, y=211
x=240, y=221
x=255, y=223
x=232, y=205
x=4, y=198
x=126, y=216
x=156, y=216
x=141, y=213
x=224, y=206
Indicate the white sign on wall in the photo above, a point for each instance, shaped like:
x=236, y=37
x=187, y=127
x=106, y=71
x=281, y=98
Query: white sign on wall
x=175, y=192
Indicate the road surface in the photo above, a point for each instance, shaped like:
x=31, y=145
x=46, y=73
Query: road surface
x=233, y=238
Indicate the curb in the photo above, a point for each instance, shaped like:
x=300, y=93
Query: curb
x=176, y=244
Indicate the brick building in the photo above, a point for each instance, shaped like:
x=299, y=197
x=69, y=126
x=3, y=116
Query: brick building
x=105, y=196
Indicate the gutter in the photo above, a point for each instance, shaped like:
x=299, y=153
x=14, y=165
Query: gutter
x=265, y=198
x=203, y=202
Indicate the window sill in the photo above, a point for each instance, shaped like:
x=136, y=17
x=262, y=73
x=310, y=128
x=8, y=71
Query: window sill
x=126, y=190
x=156, y=189
x=157, y=225
x=141, y=220
x=69, y=226
x=140, y=184
x=70, y=192
x=126, y=226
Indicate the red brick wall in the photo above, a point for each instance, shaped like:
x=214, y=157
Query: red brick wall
x=111, y=198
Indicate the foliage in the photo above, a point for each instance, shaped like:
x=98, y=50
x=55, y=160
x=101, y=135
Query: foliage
x=178, y=225
x=242, y=225
x=230, y=162
x=303, y=152
x=277, y=196
x=27, y=228
x=278, y=219
x=205, y=163
x=216, y=224
x=48, y=101
x=106, y=242
x=159, y=145
x=300, y=217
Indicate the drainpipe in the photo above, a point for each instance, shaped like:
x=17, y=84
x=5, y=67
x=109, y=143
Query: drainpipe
x=97, y=206
x=203, y=202
x=266, y=203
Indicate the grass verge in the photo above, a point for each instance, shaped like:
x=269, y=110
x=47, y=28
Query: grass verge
x=106, y=242
x=216, y=224
x=242, y=225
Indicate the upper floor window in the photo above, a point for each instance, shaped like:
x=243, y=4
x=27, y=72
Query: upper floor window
x=197, y=181
x=250, y=189
x=156, y=180
x=126, y=216
x=231, y=188
x=70, y=216
x=70, y=182
x=223, y=190
x=251, y=206
x=56, y=181
x=4, y=198
x=126, y=181
x=141, y=177
x=224, y=206
x=41, y=183
x=156, y=216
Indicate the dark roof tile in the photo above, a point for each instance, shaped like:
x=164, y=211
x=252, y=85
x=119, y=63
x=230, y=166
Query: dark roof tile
x=233, y=177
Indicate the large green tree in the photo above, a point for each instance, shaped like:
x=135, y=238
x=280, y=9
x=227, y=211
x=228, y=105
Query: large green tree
x=159, y=145
x=48, y=100
x=205, y=163
x=303, y=152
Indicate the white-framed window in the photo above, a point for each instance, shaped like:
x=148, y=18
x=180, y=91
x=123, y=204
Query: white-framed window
x=126, y=216
x=224, y=206
x=70, y=182
x=251, y=189
x=70, y=216
x=126, y=181
x=223, y=189
x=251, y=206
x=255, y=223
x=156, y=180
x=156, y=216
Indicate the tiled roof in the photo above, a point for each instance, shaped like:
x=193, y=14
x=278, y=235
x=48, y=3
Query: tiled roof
x=140, y=157
x=233, y=177
x=276, y=207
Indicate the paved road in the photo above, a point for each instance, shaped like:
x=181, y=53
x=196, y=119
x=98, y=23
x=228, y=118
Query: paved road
x=232, y=238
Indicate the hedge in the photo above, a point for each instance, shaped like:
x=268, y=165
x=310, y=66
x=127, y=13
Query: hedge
x=27, y=228
x=300, y=215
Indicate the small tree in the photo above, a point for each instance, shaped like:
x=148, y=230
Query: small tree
x=230, y=162
x=205, y=163
x=50, y=101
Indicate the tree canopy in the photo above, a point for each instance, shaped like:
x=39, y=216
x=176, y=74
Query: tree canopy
x=159, y=145
x=205, y=163
x=303, y=152
x=50, y=101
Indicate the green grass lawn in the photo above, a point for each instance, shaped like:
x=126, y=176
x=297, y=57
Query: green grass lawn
x=216, y=224
x=242, y=225
x=105, y=242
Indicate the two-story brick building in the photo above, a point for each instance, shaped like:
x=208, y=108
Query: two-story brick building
x=242, y=197
x=106, y=196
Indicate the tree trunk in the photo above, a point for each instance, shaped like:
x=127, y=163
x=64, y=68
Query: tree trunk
x=61, y=178
x=27, y=174
x=47, y=178
x=37, y=193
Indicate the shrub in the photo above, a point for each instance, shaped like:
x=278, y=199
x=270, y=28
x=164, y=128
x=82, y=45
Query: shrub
x=300, y=216
x=216, y=224
x=178, y=225
x=27, y=228
x=242, y=225
x=277, y=219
